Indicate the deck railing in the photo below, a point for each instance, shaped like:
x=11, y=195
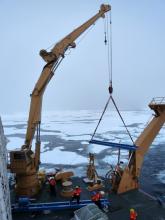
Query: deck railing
x=158, y=100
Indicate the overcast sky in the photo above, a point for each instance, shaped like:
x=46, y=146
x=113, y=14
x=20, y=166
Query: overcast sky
x=81, y=81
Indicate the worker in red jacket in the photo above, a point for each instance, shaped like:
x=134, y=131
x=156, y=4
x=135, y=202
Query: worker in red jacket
x=52, y=185
x=76, y=194
x=96, y=198
x=133, y=214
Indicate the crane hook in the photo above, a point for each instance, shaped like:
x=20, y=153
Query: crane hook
x=110, y=88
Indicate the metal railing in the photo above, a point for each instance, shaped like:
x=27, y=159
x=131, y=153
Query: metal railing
x=158, y=100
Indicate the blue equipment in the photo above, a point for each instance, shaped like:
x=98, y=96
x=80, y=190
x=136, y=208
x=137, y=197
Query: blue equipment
x=117, y=145
x=23, y=201
x=36, y=207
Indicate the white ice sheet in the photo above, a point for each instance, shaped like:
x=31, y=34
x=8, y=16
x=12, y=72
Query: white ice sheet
x=56, y=156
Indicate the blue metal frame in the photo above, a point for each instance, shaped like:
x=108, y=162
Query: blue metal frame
x=111, y=144
x=54, y=206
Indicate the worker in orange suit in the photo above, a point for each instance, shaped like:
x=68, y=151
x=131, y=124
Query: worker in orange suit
x=96, y=198
x=52, y=185
x=76, y=194
x=133, y=214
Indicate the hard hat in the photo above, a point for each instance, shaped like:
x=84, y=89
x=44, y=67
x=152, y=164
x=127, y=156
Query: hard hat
x=132, y=210
x=51, y=178
x=77, y=187
x=102, y=193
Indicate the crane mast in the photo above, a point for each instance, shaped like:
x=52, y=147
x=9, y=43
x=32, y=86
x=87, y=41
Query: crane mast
x=24, y=162
x=130, y=176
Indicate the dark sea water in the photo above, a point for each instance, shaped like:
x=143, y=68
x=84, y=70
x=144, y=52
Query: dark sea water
x=152, y=178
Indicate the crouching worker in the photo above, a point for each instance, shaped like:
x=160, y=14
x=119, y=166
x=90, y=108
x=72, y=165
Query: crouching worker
x=96, y=198
x=52, y=185
x=76, y=194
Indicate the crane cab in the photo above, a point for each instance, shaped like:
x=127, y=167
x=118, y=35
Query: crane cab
x=21, y=161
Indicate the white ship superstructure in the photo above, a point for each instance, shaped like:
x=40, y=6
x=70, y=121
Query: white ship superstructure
x=5, y=206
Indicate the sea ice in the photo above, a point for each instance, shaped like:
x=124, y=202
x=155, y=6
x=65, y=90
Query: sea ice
x=112, y=160
x=56, y=156
x=93, y=148
x=79, y=126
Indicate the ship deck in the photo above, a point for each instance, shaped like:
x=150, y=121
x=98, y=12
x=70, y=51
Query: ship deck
x=146, y=206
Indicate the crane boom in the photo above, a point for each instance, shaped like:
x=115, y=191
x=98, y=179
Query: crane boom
x=24, y=162
x=52, y=59
x=130, y=176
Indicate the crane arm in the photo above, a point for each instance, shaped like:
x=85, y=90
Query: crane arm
x=60, y=48
x=149, y=134
x=25, y=163
x=36, y=104
x=130, y=176
x=53, y=58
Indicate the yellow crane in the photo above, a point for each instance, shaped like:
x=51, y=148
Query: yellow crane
x=129, y=177
x=24, y=162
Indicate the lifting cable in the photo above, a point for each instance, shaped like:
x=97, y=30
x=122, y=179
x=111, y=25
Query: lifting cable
x=108, y=42
x=101, y=117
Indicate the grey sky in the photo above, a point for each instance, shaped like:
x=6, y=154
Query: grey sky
x=81, y=81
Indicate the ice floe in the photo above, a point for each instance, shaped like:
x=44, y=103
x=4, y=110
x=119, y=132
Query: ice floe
x=93, y=148
x=13, y=130
x=56, y=156
x=112, y=160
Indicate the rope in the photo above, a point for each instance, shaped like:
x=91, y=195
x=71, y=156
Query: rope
x=105, y=32
x=111, y=46
x=108, y=42
x=105, y=108
x=122, y=119
x=101, y=117
x=109, y=64
x=107, y=29
x=55, y=66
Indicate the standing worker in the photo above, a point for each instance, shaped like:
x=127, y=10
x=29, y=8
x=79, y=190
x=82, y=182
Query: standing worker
x=133, y=214
x=76, y=194
x=96, y=198
x=52, y=185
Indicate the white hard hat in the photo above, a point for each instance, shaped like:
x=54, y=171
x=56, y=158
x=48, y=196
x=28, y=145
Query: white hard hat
x=102, y=193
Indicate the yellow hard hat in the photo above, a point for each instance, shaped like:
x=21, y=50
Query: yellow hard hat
x=132, y=210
